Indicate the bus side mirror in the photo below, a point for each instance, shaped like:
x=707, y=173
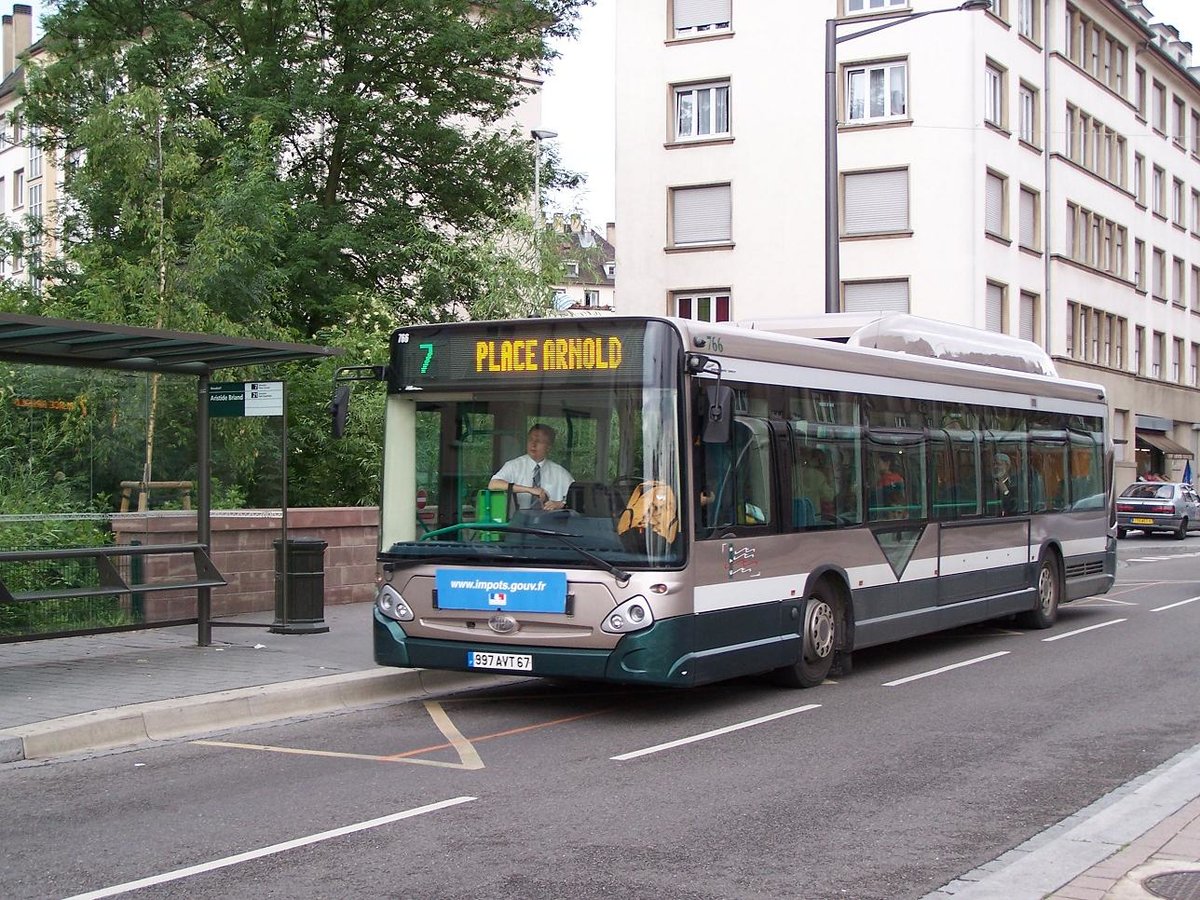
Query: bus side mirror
x=339, y=407
x=717, y=427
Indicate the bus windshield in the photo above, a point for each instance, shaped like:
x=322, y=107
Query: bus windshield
x=572, y=460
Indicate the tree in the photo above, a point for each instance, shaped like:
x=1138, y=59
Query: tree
x=371, y=131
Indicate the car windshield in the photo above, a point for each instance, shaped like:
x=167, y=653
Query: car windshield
x=1148, y=491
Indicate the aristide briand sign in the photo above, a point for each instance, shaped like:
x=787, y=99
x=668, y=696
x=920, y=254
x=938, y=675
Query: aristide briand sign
x=234, y=399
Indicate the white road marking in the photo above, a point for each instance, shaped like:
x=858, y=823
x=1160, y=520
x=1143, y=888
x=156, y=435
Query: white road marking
x=1067, y=634
x=715, y=733
x=177, y=874
x=1173, y=605
x=969, y=662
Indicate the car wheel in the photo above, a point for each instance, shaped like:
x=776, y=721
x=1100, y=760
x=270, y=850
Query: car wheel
x=1182, y=530
x=1122, y=533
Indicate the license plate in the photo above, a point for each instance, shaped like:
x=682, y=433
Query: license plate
x=510, y=662
x=1143, y=521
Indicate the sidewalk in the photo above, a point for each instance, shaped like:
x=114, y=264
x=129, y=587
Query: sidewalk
x=79, y=695
x=82, y=694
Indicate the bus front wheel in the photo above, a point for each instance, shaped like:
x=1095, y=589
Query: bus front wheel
x=818, y=640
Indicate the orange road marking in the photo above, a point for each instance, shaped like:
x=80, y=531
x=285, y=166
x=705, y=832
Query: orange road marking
x=499, y=734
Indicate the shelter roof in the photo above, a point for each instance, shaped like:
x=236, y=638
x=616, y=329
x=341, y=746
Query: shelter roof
x=61, y=342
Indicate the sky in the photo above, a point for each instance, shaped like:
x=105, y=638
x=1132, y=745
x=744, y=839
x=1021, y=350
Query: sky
x=578, y=101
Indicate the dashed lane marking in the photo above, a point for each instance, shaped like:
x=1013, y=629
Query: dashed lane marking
x=1067, y=634
x=932, y=672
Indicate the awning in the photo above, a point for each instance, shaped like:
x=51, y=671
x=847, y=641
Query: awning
x=1163, y=443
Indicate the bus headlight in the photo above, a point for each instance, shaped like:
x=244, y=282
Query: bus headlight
x=389, y=602
x=632, y=615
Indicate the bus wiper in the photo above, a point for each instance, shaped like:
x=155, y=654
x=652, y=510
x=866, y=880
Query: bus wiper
x=620, y=574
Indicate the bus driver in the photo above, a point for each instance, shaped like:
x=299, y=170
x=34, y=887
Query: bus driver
x=537, y=482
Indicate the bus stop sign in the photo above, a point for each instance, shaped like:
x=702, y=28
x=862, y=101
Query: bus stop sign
x=235, y=399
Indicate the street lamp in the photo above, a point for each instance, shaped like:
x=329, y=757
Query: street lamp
x=833, y=274
x=539, y=135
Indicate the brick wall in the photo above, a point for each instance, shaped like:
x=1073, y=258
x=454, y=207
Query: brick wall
x=243, y=552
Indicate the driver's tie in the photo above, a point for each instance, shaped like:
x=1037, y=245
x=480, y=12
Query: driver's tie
x=537, y=483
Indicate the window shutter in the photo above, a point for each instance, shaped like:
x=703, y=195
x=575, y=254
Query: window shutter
x=1028, y=221
x=692, y=13
x=876, y=296
x=1027, y=304
x=876, y=202
x=994, y=207
x=702, y=215
x=993, y=314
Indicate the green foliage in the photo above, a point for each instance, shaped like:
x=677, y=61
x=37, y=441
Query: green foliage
x=227, y=173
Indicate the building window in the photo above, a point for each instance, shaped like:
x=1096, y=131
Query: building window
x=35, y=152
x=1027, y=327
x=571, y=268
x=1139, y=178
x=697, y=17
x=1194, y=366
x=875, y=202
x=1156, y=354
x=1096, y=241
x=591, y=297
x=705, y=306
x=1158, y=275
x=1178, y=285
x=1028, y=24
x=1158, y=190
x=1159, y=107
x=1178, y=214
x=993, y=311
x=35, y=203
x=876, y=93
x=1196, y=132
x=994, y=204
x=18, y=194
x=1195, y=212
x=1180, y=121
x=1030, y=201
x=875, y=296
x=859, y=6
x=1139, y=264
x=610, y=270
x=701, y=215
x=993, y=98
x=1029, y=115
x=1195, y=292
x=1139, y=350
x=701, y=110
x=1177, y=360
x=1139, y=90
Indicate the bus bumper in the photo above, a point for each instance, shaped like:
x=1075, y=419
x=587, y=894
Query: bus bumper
x=658, y=655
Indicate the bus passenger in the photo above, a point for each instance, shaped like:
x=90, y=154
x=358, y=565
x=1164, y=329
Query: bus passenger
x=889, y=488
x=1006, y=491
x=537, y=482
x=812, y=483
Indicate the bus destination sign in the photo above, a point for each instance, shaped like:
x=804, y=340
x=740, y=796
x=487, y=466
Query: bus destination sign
x=449, y=355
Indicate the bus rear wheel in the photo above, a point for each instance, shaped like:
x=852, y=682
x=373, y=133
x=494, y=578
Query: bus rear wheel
x=1049, y=594
x=819, y=634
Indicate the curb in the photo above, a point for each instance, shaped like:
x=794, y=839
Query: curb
x=164, y=720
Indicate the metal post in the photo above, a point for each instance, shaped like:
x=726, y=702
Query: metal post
x=283, y=507
x=203, y=509
x=833, y=273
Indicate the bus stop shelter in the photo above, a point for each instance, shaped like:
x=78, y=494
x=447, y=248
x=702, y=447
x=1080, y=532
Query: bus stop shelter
x=77, y=344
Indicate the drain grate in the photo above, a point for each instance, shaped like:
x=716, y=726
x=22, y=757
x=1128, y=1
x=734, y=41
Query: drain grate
x=1175, y=885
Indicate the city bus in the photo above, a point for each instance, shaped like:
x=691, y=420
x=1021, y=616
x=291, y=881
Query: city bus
x=736, y=501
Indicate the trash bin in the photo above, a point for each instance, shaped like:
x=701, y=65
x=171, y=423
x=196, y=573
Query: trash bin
x=304, y=609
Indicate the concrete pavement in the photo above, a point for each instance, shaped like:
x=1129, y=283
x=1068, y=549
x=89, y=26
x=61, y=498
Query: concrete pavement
x=85, y=694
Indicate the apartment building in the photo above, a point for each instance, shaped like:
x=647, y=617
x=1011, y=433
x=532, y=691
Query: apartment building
x=1032, y=169
x=28, y=177
x=588, y=262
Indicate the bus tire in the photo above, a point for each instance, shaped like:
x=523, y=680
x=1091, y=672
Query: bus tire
x=1122, y=534
x=1049, y=594
x=820, y=634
